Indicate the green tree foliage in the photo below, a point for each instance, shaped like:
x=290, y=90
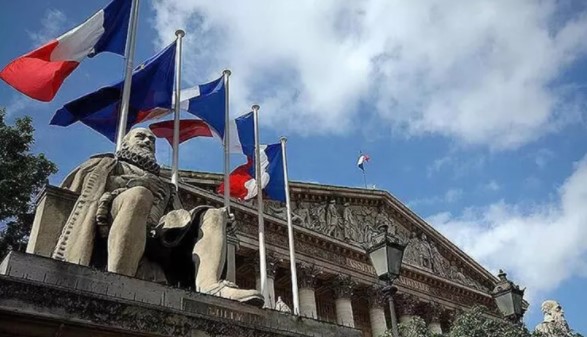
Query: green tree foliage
x=475, y=323
x=22, y=175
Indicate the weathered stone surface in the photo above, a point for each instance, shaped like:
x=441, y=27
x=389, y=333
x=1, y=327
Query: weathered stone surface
x=38, y=289
x=554, y=323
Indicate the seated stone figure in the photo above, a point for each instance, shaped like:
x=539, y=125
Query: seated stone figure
x=554, y=323
x=130, y=221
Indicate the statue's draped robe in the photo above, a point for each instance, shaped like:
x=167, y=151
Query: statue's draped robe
x=176, y=229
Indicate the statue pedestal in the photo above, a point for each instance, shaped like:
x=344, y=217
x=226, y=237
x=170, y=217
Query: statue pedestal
x=44, y=297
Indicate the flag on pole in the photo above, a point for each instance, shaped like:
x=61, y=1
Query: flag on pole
x=242, y=135
x=152, y=87
x=207, y=101
x=188, y=129
x=363, y=158
x=40, y=73
x=242, y=180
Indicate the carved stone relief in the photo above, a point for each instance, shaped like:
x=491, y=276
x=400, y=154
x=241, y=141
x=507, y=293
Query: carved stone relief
x=361, y=224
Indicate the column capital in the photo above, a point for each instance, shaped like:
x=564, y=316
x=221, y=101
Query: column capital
x=407, y=304
x=343, y=286
x=272, y=264
x=433, y=312
x=378, y=296
x=307, y=275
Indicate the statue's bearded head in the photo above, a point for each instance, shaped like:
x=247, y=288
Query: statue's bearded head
x=140, y=141
x=553, y=312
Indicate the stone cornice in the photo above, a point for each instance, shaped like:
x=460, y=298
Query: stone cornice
x=318, y=192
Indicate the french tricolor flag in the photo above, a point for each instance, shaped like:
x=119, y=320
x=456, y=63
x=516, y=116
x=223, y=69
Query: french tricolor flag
x=40, y=73
x=363, y=158
x=242, y=180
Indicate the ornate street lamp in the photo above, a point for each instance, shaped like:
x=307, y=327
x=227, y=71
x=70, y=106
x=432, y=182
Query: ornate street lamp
x=386, y=253
x=509, y=298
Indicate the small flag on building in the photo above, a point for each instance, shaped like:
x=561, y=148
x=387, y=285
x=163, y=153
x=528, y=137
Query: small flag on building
x=40, y=73
x=363, y=158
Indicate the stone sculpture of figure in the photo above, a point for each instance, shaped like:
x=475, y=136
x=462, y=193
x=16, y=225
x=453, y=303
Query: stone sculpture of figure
x=319, y=222
x=554, y=323
x=425, y=252
x=350, y=225
x=127, y=217
x=302, y=215
x=439, y=263
x=332, y=220
x=411, y=253
x=281, y=306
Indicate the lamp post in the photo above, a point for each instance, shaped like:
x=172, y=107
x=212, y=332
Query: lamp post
x=386, y=253
x=509, y=298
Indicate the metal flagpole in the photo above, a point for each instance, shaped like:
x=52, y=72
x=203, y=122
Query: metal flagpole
x=226, y=74
x=364, y=177
x=290, y=235
x=175, y=161
x=258, y=178
x=130, y=55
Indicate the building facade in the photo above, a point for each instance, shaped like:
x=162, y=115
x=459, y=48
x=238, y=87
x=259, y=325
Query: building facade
x=332, y=228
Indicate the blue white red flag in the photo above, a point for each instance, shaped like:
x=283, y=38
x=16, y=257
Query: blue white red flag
x=188, y=129
x=242, y=135
x=363, y=158
x=40, y=73
x=242, y=180
x=207, y=101
x=152, y=87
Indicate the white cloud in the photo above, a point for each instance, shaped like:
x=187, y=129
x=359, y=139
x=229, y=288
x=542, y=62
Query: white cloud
x=541, y=246
x=476, y=71
x=51, y=27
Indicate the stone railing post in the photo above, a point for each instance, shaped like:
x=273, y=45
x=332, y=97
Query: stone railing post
x=307, y=274
x=344, y=287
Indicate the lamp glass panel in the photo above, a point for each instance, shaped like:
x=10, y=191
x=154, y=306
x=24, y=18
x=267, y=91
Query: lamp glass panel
x=379, y=261
x=505, y=303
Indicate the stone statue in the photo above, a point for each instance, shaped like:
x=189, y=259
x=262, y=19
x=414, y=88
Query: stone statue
x=350, y=226
x=439, y=263
x=554, y=323
x=411, y=253
x=131, y=222
x=425, y=253
x=332, y=220
x=301, y=215
x=281, y=306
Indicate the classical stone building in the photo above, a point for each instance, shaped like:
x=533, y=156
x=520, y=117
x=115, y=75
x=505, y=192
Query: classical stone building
x=332, y=226
x=338, y=291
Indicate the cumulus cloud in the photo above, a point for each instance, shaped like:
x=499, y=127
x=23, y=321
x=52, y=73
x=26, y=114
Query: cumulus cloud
x=51, y=27
x=541, y=245
x=480, y=72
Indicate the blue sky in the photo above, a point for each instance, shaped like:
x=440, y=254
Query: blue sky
x=472, y=112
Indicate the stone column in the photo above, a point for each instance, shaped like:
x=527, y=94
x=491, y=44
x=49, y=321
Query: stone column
x=307, y=274
x=378, y=300
x=432, y=315
x=231, y=248
x=272, y=264
x=407, y=305
x=343, y=287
